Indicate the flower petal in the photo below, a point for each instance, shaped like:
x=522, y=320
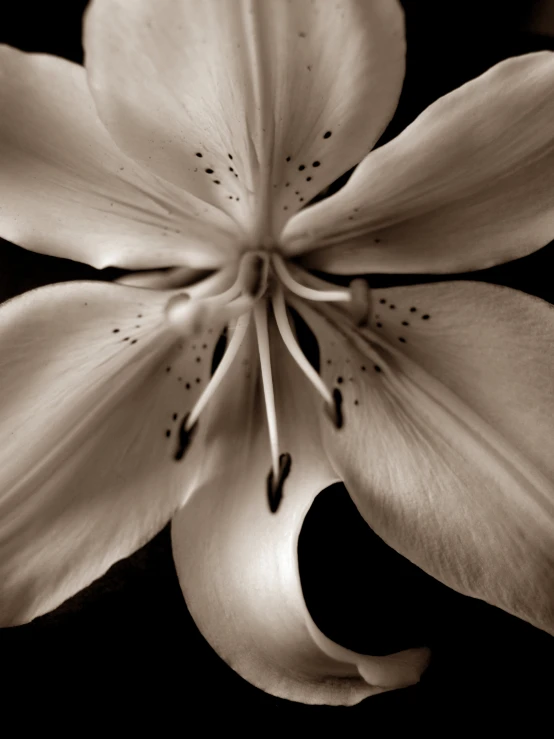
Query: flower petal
x=67, y=190
x=469, y=184
x=237, y=561
x=448, y=457
x=93, y=393
x=235, y=100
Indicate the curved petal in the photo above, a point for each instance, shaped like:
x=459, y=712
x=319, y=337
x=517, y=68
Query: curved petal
x=67, y=190
x=93, y=391
x=445, y=447
x=256, y=106
x=469, y=184
x=237, y=561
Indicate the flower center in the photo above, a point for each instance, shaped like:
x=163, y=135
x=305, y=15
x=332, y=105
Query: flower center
x=263, y=279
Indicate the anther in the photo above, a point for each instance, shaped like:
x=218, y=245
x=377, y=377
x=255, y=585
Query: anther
x=334, y=412
x=275, y=483
x=185, y=437
x=360, y=305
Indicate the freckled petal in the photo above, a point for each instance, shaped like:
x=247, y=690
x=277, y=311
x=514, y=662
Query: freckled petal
x=237, y=562
x=445, y=456
x=90, y=426
x=67, y=190
x=261, y=81
x=469, y=184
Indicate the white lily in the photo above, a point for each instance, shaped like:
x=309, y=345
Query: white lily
x=198, y=132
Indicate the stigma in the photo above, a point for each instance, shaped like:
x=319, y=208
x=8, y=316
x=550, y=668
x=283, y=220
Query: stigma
x=261, y=284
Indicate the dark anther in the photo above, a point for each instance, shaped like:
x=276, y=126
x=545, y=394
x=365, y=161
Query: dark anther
x=275, y=487
x=219, y=350
x=338, y=420
x=185, y=438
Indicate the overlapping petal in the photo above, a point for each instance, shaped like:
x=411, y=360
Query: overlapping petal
x=93, y=392
x=67, y=190
x=469, y=184
x=237, y=562
x=445, y=447
x=254, y=106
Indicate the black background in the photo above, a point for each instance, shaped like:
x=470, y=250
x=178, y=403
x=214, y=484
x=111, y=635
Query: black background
x=126, y=652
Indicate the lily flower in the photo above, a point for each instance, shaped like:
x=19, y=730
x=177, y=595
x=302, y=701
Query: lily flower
x=194, y=140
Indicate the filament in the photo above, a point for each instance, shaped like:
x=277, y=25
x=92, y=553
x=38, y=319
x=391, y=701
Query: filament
x=280, y=311
x=338, y=295
x=262, y=333
x=226, y=361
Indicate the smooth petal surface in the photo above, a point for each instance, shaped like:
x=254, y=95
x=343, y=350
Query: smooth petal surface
x=446, y=444
x=67, y=190
x=93, y=392
x=469, y=184
x=255, y=106
x=237, y=562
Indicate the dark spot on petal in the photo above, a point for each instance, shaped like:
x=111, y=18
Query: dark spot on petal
x=383, y=301
x=275, y=486
x=231, y=169
x=217, y=182
x=316, y=164
x=340, y=380
x=230, y=156
x=308, y=179
x=126, y=338
x=405, y=323
x=209, y=171
x=413, y=310
x=327, y=134
x=363, y=368
x=392, y=307
x=285, y=207
x=376, y=368
x=287, y=184
x=198, y=359
x=168, y=369
x=377, y=241
x=197, y=380
x=187, y=386
x=115, y=331
x=198, y=154
x=302, y=167
x=168, y=433
x=426, y=317
x=139, y=315
x=174, y=416
x=134, y=341
x=302, y=34
x=287, y=159
x=301, y=200
x=379, y=325
x=356, y=402
x=402, y=339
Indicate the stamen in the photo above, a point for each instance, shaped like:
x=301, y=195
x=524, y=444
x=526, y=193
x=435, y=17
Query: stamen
x=280, y=311
x=253, y=273
x=280, y=267
x=361, y=301
x=262, y=333
x=221, y=371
